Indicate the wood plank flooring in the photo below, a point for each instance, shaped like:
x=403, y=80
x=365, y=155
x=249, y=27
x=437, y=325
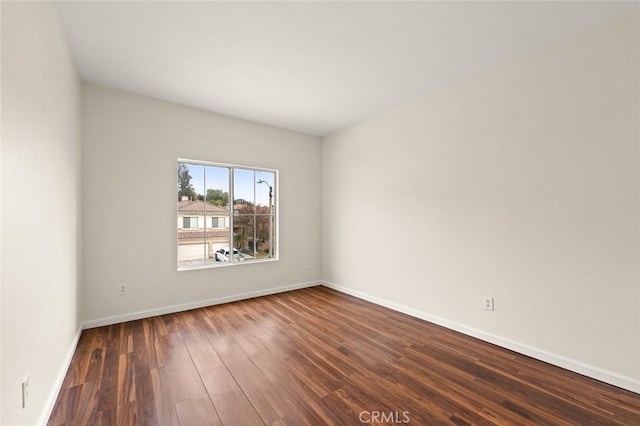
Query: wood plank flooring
x=312, y=357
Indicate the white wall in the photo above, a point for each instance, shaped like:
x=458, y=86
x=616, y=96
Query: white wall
x=1, y=138
x=522, y=183
x=40, y=207
x=131, y=144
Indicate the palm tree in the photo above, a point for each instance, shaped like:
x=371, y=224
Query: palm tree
x=239, y=240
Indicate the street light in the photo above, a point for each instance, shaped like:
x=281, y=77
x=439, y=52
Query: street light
x=270, y=216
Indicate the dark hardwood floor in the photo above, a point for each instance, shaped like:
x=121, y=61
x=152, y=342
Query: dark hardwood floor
x=312, y=357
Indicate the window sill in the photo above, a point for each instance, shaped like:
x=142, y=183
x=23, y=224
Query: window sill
x=215, y=264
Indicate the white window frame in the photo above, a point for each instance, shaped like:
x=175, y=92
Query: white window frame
x=190, y=219
x=275, y=229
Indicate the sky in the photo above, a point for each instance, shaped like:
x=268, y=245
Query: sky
x=245, y=182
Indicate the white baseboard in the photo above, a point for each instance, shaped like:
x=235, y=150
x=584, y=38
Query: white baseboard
x=57, y=384
x=611, y=378
x=193, y=305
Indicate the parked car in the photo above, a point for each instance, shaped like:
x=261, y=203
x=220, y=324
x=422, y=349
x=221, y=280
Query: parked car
x=222, y=255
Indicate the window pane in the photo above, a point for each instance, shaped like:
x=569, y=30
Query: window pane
x=265, y=182
x=252, y=212
x=264, y=227
x=191, y=247
x=243, y=237
x=243, y=209
x=217, y=236
x=265, y=209
x=244, y=190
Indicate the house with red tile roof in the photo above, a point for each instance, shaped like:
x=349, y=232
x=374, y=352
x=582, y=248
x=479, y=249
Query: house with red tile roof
x=203, y=228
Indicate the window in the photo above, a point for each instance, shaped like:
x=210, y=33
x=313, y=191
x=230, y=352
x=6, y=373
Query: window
x=241, y=203
x=189, y=222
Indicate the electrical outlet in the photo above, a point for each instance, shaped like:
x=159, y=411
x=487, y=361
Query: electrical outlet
x=122, y=289
x=25, y=391
x=488, y=303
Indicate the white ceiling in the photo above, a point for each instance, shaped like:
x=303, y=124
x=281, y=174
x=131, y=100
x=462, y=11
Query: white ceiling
x=313, y=67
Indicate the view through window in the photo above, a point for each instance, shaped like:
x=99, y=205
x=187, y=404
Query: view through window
x=226, y=214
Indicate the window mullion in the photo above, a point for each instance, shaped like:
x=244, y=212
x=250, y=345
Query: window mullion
x=255, y=223
x=231, y=212
x=204, y=214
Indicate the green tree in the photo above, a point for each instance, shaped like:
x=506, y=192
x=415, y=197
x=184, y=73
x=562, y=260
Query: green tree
x=185, y=188
x=239, y=240
x=217, y=197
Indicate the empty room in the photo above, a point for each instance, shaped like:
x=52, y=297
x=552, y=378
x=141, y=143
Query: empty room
x=329, y=212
